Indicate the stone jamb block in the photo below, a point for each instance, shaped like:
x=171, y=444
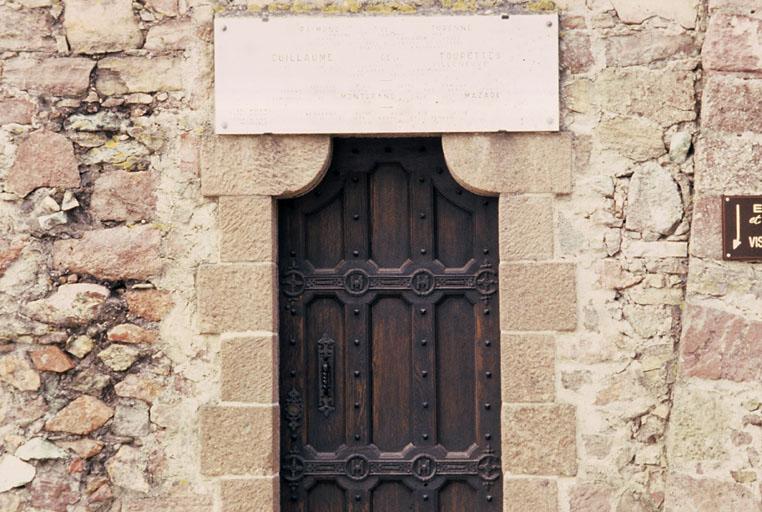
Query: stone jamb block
x=239, y=440
x=249, y=369
x=511, y=162
x=526, y=227
x=538, y=296
x=236, y=297
x=244, y=495
x=269, y=165
x=539, y=439
x=528, y=367
x=530, y=494
x=248, y=228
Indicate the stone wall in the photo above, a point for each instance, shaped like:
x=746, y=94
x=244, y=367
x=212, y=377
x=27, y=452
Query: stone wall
x=137, y=261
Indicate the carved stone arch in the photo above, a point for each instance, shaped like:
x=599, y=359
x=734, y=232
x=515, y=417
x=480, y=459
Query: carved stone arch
x=268, y=165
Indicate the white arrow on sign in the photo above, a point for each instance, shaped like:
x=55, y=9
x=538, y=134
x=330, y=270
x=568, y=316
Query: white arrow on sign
x=737, y=239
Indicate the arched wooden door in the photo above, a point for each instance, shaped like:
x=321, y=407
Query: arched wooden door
x=389, y=352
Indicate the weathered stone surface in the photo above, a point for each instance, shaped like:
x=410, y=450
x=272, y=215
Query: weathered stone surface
x=151, y=305
x=126, y=155
x=538, y=296
x=131, y=420
x=131, y=333
x=637, y=11
x=510, y=163
x=530, y=494
x=171, y=35
x=263, y=164
x=247, y=228
x=80, y=346
x=124, y=75
x=124, y=196
x=540, y=440
x=590, y=498
x=685, y=493
x=54, y=489
x=247, y=370
x=56, y=76
x=144, y=388
x=185, y=502
x=127, y=469
x=82, y=416
x=720, y=345
x=43, y=159
x=733, y=44
x=104, y=120
x=17, y=111
x=84, y=448
x=14, y=472
x=666, y=97
x=728, y=165
x=16, y=371
x=634, y=137
x=39, y=449
x=699, y=423
x=707, y=223
x=165, y=7
x=644, y=47
x=236, y=297
x=730, y=104
x=119, y=357
x=679, y=145
x=103, y=26
x=238, y=440
x=575, y=52
x=654, y=204
x=528, y=368
x=51, y=359
x=115, y=253
x=526, y=227
x=250, y=494
x=24, y=30
x=71, y=304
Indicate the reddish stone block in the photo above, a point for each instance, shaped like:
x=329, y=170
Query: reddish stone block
x=43, y=159
x=733, y=44
x=731, y=104
x=720, y=345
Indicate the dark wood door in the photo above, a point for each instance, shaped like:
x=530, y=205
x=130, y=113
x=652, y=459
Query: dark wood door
x=389, y=353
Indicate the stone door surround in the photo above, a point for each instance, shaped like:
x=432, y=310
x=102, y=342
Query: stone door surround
x=238, y=300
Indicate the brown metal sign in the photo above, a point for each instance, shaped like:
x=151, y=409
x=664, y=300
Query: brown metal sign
x=742, y=227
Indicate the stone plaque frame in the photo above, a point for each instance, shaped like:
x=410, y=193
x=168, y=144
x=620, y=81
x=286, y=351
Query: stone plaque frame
x=379, y=74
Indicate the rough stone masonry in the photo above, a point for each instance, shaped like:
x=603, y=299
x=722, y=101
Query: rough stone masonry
x=136, y=375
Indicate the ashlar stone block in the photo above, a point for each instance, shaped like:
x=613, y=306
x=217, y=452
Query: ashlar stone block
x=236, y=297
x=540, y=439
x=511, y=163
x=526, y=227
x=538, y=296
x=248, y=369
x=247, y=228
x=263, y=164
x=239, y=440
x=523, y=495
x=528, y=367
x=249, y=494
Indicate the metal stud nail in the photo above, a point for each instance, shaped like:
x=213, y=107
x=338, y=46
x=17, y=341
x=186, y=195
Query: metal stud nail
x=424, y=342
x=425, y=405
x=357, y=405
x=487, y=342
x=422, y=215
x=355, y=253
x=425, y=436
x=422, y=311
x=357, y=437
x=489, y=497
x=487, y=436
x=357, y=342
x=488, y=374
x=358, y=497
x=423, y=251
x=425, y=373
x=488, y=406
x=356, y=216
x=356, y=311
x=357, y=373
x=425, y=497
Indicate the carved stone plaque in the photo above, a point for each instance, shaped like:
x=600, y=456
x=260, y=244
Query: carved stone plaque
x=742, y=227
x=386, y=74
